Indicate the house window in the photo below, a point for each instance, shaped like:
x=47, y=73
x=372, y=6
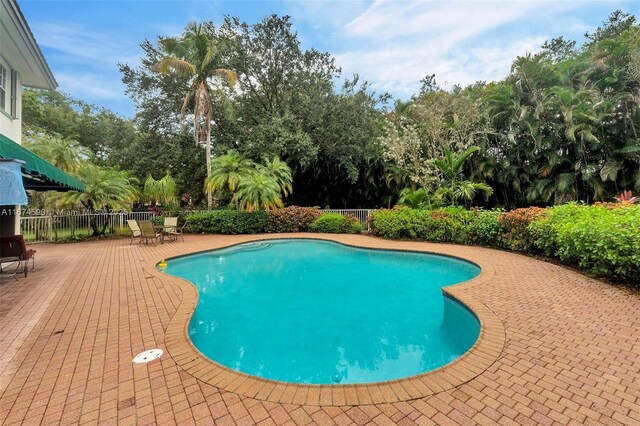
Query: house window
x=14, y=93
x=3, y=87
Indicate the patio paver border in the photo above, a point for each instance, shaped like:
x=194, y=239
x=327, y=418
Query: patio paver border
x=481, y=356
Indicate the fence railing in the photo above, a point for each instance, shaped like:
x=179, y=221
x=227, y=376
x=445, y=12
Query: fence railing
x=62, y=227
x=361, y=214
x=51, y=228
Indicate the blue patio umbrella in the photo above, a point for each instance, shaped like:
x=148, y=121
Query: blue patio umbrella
x=11, y=187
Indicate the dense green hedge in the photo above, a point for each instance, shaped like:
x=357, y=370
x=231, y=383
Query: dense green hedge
x=290, y=219
x=334, y=223
x=602, y=240
x=452, y=224
x=228, y=222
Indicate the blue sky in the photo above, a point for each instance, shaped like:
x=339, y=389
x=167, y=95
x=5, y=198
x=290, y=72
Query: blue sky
x=391, y=43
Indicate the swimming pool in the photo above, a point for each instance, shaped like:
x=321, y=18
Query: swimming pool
x=318, y=312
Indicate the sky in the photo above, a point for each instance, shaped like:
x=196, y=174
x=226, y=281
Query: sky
x=391, y=43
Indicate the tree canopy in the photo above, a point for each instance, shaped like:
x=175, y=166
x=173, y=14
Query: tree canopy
x=562, y=125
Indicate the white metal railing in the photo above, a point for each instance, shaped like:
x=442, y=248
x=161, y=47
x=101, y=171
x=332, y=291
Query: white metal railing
x=59, y=227
x=70, y=225
x=361, y=214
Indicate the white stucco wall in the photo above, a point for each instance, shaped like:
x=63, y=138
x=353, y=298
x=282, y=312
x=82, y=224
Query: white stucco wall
x=11, y=126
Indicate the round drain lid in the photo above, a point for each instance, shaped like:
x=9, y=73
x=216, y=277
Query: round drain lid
x=148, y=356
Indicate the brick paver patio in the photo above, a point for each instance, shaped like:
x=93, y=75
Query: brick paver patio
x=570, y=351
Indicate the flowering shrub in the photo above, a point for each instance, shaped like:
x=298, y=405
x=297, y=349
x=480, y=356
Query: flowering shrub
x=334, y=223
x=291, y=219
x=515, y=223
x=627, y=197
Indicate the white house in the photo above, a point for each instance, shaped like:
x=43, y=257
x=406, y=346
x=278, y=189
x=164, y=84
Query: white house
x=23, y=64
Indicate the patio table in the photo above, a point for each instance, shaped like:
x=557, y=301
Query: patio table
x=162, y=228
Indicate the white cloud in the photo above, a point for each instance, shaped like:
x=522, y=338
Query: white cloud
x=92, y=86
x=394, y=44
x=85, y=60
x=323, y=13
x=387, y=19
x=82, y=44
x=399, y=68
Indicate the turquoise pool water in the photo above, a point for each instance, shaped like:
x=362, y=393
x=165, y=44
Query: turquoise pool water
x=309, y=311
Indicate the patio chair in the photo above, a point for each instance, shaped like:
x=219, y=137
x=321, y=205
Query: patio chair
x=135, y=229
x=13, y=249
x=147, y=232
x=178, y=232
x=170, y=227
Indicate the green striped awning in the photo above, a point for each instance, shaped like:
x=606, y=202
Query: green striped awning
x=39, y=174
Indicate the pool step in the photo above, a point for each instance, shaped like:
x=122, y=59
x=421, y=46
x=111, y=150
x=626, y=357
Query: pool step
x=254, y=246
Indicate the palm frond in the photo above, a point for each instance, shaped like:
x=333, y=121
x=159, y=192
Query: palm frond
x=170, y=64
x=633, y=147
x=459, y=161
x=610, y=171
x=228, y=76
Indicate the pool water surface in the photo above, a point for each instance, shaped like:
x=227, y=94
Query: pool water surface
x=319, y=312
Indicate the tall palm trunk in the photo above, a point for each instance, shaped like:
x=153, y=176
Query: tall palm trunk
x=197, y=58
x=208, y=154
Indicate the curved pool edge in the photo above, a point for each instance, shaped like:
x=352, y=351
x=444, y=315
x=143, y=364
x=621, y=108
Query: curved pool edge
x=472, y=363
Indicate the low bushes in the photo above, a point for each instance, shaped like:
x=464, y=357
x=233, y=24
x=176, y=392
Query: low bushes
x=487, y=230
x=291, y=219
x=517, y=235
x=334, y=223
x=228, y=222
x=452, y=224
x=603, y=240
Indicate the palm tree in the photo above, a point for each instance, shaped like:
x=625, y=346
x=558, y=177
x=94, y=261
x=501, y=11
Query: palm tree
x=258, y=191
x=281, y=173
x=227, y=171
x=574, y=164
x=197, y=56
x=104, y=188
x=414, y=198
x=64, y=153
x=162, y=191
x=453, y=186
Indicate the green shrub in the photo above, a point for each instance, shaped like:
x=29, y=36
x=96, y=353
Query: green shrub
x=397, y=223
x=487, y=230
x=291, y=219
x=452, y=224
x=334, y=223
x=352, y=225
x=228, y=222
x=603, y=241
x=515, y=223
